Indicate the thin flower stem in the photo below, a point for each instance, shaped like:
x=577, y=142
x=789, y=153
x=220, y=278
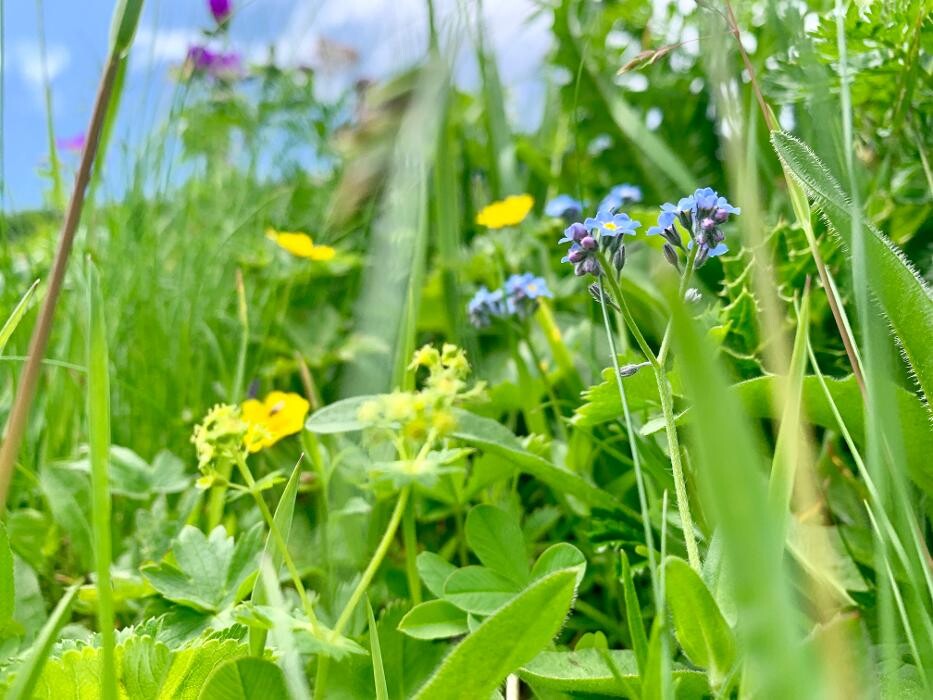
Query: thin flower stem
x=667, y=408
x=279, y=540
x=616, y=292
x=682, y=289
x=375, y=562
x=410, y=541
x=636, y=458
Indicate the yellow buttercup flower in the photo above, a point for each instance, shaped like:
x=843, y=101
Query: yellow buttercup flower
x=300, y=245
x=278, y=415
x=510, y=211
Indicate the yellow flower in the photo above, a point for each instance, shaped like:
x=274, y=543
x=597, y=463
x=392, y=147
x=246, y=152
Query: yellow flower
x=510, y=211
x=280, y=414
x=300, y=245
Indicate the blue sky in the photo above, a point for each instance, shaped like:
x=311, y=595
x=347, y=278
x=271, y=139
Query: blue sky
x=387, y=34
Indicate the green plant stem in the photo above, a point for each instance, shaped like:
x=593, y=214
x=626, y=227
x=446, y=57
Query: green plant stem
x=682, y=289
x=636, y=458
x=667, y=408
x=410, y=541
x=375, y=562
x=279, y=540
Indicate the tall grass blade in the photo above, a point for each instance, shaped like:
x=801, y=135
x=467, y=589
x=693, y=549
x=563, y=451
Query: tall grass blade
x=16, y=315
x=27, y=674
x=98, y=412
x=379, y=672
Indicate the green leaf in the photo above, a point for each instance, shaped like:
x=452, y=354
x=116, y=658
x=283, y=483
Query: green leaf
x=703, y=633
x=601, y=402
x=434, y=571
x=132, y=477
x=67, y=489
x=504, y=642
x=636, y=625
x=283, y=520
x=499, y=440
x=497, y=540
x=756, y=401
x=379, y=673
x=338, y=417
x=245, y=679
x=478, y=590
x=562, y=555
x=209, y=573
x=16, y=315
x=29, y=672
x=435, y=619
x=587, y=671
x=902, y=294
x=7, y=585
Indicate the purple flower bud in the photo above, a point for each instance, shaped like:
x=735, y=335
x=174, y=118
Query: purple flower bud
x=577, y=232
x=590, y=266
x=588, y=242
x=721, y=215
x=577, y=255
x=578, y=269
x=221, y=10
x=707, y=224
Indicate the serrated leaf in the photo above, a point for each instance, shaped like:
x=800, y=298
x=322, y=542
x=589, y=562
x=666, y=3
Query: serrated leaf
x=497, y=540
x=245, y=679
x=435, y=619
x=504, y=642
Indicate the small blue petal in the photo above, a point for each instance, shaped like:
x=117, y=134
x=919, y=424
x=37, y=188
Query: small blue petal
x=718, y=250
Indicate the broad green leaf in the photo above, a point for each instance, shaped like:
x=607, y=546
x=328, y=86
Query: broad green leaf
x=903, y=296
x=756, y=394
x=495, y=438
x=701, y=629
x=245, y=679
x=192, y=665
x=497, y=540
x=504, y=642
x=67, y=489
x=478, y=590
x=435, y=619
x=586, y=671
x=209, y=572
x=434, y=571
x=601, y=402
x=338, y=417
x=561, y=555
x=132, y=477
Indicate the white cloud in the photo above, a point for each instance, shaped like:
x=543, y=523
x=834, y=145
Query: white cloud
x=27, y=59
x=164, y=45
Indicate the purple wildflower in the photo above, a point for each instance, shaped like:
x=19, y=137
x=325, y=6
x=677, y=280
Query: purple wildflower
x=221, y=10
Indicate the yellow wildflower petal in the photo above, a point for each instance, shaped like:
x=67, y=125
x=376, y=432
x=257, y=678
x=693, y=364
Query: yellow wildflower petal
x=278, y=415
x=322, y=253
x=510, y=211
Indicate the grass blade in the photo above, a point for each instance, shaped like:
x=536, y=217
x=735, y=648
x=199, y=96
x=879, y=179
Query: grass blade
x=379, y=672
x=98, y=411
x=16, y=315
x=28, y=673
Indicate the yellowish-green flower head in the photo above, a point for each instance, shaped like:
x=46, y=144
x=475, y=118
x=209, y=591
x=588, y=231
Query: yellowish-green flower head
x=510, y=211
x=219, y=437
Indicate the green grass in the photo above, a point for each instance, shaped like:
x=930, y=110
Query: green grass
x=742, y=512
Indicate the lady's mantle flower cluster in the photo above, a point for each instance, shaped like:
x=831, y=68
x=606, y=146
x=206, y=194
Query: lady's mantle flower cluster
x=425, y=415
x=600, y=234
x=701, y=214
x=517, y=298
x=228, y=433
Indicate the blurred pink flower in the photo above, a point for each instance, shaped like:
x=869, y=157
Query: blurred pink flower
x=223, y=65
x=73, y=144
